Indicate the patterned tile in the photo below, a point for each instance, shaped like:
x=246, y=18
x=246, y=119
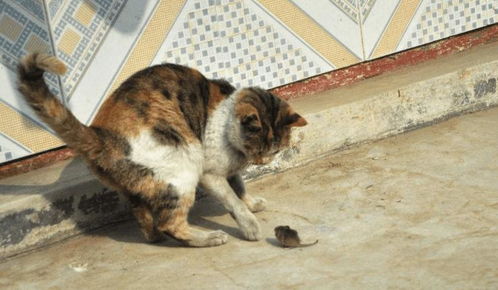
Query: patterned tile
x=492, y=15
x=24, y=131
x=228, y=39
x=23, y=30
x=54, y=7
x=439, y=19
x=10, y=150
x=128, y=45
x=348, y=7
x=375, y=18
x=34, y=7
x=340, y=18
x=365, y=7
x=6, y=154
x=79, y=29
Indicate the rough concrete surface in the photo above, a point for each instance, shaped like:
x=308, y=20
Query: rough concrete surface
x=415, y=211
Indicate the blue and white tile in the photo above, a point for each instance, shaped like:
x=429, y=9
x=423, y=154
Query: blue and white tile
x=23, y=29
x=79, y=27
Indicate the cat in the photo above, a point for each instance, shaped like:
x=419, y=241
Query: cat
x=166, y=130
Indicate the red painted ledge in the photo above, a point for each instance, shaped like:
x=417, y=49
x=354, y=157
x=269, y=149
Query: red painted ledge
x=35, y=161
x=364, y=70
x=334, y=79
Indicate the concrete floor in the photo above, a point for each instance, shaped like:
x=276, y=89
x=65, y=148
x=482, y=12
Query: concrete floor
x=419, y=210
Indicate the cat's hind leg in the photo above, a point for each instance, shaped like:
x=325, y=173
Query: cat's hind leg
x=173, y=208
x=144, y=216
x=254, y=203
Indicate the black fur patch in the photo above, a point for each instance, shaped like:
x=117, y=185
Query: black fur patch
x=136, y=200
x=165, y=134
x=193, y=104
x=289, y=119
x=225, y=87
x=166, y=94
x=116, y=141
x=237, y=185
x=167, y=199
x=140, y=107
x=271, y=104
x=125, y=172
x=131, y=171
x=125, y=93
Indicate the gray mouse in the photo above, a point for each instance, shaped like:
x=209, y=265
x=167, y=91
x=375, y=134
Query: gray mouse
x=289, y=238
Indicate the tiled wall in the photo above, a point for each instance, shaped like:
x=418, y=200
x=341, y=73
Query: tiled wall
x=249, y=42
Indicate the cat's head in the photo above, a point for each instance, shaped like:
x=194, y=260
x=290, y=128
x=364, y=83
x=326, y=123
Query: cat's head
x=265, y=123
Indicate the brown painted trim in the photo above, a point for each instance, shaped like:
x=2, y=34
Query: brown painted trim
x=368, y=69
x=327, y=81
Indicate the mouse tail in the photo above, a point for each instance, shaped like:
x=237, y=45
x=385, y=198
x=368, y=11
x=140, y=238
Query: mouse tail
x=309, y=244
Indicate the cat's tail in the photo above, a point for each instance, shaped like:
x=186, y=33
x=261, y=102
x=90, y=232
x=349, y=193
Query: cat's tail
x=46, y=105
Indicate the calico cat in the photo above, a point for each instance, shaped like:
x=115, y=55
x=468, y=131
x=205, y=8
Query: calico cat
x=166, y=130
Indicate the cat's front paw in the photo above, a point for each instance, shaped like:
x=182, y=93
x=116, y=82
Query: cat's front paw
x=257, y=204
x=250, y=227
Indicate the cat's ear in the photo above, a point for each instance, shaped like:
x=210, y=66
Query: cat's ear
x=294, y=120
x=249, y=118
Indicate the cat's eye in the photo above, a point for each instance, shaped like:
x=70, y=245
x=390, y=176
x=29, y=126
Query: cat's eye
x=250, y=118
x=253, y=129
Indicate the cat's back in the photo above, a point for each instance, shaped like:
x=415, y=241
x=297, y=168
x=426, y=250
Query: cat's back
x=161, y=114
x=168, y=99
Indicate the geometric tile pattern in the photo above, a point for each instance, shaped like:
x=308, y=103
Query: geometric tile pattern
x=365, y=7
x=9, y=150
x=79, y=27
x=348, y=7
x=23, y=30
x=440, y=19
x=268, y=43
x=230, y=40
x=379, y=22
x=403, y=24
x=353, y=8
x=339, y=18
x=5, y=154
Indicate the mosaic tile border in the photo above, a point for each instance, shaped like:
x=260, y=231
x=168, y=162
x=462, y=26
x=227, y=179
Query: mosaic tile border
x=79, y=32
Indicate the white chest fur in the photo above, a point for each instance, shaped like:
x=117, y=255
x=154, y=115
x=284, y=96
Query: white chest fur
x=219, y=155
x=180, y=166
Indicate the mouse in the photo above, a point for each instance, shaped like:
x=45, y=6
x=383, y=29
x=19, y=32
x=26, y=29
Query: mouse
x=289, y=238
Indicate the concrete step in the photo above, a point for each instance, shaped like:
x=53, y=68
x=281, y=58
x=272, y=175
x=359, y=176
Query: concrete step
x=415, y=211
x=56, y=202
